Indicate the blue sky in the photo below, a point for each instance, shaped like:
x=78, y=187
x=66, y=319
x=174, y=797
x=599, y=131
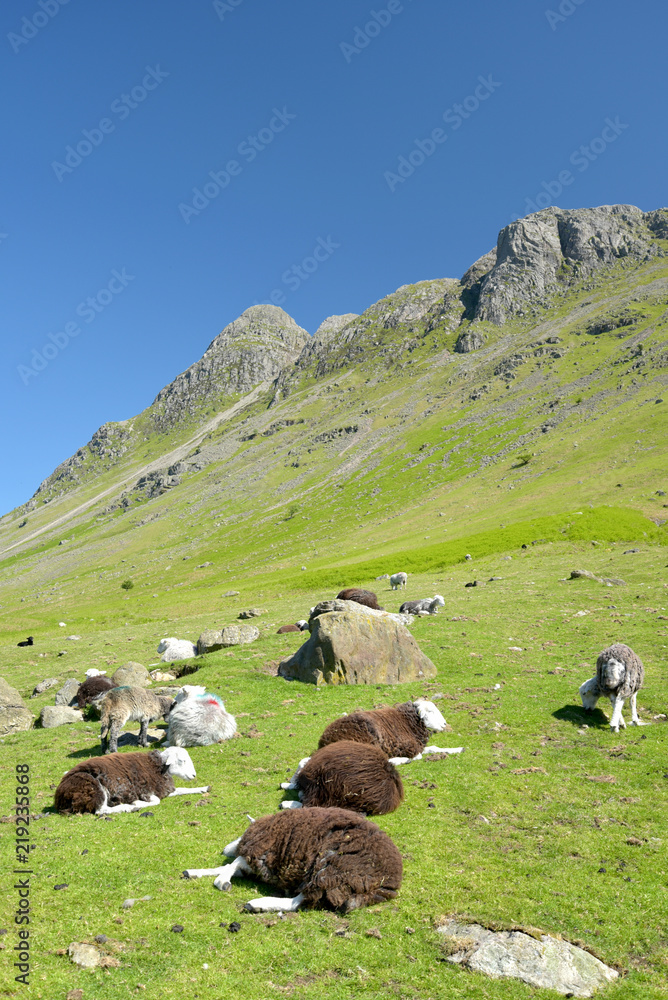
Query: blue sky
x=168, y=164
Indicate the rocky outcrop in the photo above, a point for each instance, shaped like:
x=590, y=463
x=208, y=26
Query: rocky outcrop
x=356, y=646
x=68, y=693
x=471, y=340
x=251, y=350
x=232, y=635
x=14, y=715
x=59, y=715
x=132, y=675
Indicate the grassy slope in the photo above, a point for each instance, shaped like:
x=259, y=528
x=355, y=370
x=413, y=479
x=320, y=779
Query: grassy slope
x=369, y=503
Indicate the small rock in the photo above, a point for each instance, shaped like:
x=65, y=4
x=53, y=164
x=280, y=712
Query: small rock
x=177, y=928
x=634, y=841
x=44, y=686
x=374, y=933
x=73, y=638
x=145, y=815
x=101, y=938
x=74, y=995
x=230, y=593
x=629, y=552
x=63, y=885
x=127, y=904
x=52, y=716
x=85, y=955
x=252, y=613
x=204, y=565
x=132, y=674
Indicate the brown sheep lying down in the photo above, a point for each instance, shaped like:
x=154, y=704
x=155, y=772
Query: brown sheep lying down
x=349, y=775
x=124, y=782
x=365, y=597
x=402, y=732
x=322, y=857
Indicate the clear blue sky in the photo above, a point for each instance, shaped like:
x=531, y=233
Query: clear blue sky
x=302, y=110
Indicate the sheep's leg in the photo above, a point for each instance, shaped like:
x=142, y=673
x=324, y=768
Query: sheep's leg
x=401, y=760
x=189, y=791
x=230, y=851
x=237, y=867
x=143, y=733
x=635, y=718
x=291, y=804
x=291, y=785
x=128, y=807
x=616, y=721
x=112, y=739
x=433, y=749
x=274, y=904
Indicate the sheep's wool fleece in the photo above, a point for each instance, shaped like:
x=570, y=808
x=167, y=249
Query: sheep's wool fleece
x=334, y=857
x=352, y=776
x=351, y=644
x=125, y=776
x=398, y=731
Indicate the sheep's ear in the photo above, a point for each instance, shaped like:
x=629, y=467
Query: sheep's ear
x=249, y=818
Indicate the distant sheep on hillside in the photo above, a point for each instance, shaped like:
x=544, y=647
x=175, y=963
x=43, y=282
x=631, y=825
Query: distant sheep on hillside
x=619, y=675
x=366, y=598
x=398, y=580
x=427, y=606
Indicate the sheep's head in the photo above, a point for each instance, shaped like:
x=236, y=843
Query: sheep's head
x=189, y=691
x=611, y=671
x=178, y=762
x=430, y=715
x=590, y=693
x=438, y=601
x=165, y=644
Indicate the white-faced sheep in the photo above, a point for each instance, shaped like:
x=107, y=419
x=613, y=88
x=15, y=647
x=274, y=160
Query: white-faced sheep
x=398, y=580
x=130, y=704
x=402, y=732
x=176, y=649
x=198, y=718
x=427, y=606
x=94, y=672
x=284, y=629
x=124, y=782
x=320, y=857
x=619, y=675
x=349, y=775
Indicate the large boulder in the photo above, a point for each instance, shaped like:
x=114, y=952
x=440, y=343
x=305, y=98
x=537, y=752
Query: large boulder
x=132, y=675
x=68, y=692
x=542, y=961
x=352, y=644
x=59, y=715
x=231, y=635
x=14, y=716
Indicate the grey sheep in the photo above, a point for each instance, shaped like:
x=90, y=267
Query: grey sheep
x=427, y=606
x=619, y=675
x=130, y=704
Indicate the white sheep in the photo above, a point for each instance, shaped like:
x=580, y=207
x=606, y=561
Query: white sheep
x=426, y=606
x=398, y=580
x=125, y=782
x=94, y=672
x=176, y=649
x=198, y=719
x=619, y=675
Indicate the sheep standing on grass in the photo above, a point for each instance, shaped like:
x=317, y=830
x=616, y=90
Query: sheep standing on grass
x=402, y=732
x=176, y=649
x=619, y=675
x=349, y=775
x=398, y=580
x=198, y=718
x=130, y=704
x=427, y=606
x=366, y=598
x=321, y=857
x=124, y=782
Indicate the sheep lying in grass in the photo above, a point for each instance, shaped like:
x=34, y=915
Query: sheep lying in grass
x=619, y=675
x=300, y=626
x=398, y=580
x=349, y=775
x=402, y=732
x=427, y=606
x=91, y=688
x=130, y=704
x=26, y=642
x=94, y=672
x=321, y=857
x=176, y=649
x=198, y=718
x=124, y=782
x=366, y=598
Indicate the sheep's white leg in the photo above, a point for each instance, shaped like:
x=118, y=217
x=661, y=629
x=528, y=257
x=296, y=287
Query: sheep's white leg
x=273, y=904
x=231, y=850
x=128, y=807
x=237, y=867
x=228, y=871
x=635, y=718
x=440, y=750
x=402, y=760
x=189, y=791
x=291, y=785
x=617, y=720
x=291, y=804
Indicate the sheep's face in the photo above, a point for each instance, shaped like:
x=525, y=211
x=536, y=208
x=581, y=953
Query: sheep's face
x=438, y=600
x=430, y=715
x=189, y=691
x=589, y=693
x=179, y=763
x=165, y=644
x=612, y=671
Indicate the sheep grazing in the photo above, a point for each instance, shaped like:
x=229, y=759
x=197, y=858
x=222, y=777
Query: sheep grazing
x=176, y=649
x=349, y=775
x=367, y=598
x=398, y=580
x=124, y=782
x=619, y=675
x=322, y=857
x=198, y=718
x=402, y=732
x=92, y=688
x=27, y=642
x=427, y=606
x=129, y=704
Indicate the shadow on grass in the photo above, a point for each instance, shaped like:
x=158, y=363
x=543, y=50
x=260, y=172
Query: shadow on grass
x=578, y=717
x=126, y=740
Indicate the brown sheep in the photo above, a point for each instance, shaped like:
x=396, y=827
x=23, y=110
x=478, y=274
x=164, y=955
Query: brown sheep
x=402, y=731
x=123, y=782
x=91, y=688
x=352, y=776
x=321, y=857
x=288, y=628
x=367, y=598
